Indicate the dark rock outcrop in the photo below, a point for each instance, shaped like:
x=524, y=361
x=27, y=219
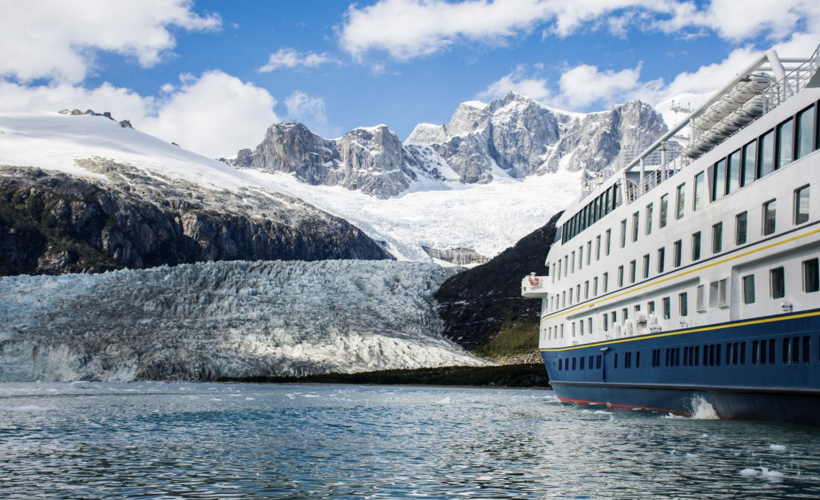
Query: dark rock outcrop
x=476, y=303
x=52, y=223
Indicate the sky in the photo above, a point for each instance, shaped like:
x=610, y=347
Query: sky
x=212, y=75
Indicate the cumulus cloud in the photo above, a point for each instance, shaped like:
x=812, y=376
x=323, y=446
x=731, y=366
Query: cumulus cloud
x=59, y=40
x=518, y=82
x=214, y=115
x=310, y=110
x=291, y=58
x=407, y=29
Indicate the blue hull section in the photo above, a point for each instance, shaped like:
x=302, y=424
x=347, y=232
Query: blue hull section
x=763, y=369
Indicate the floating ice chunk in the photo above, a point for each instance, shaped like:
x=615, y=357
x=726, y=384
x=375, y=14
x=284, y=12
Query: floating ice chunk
x=771, y=475
x=311, y=396
x=777, y=447
x=444, y=401
x=748, y=472
x=691, y=456
x=704, y=436
x=590, y=437
x=602, y=412
x=250, y=399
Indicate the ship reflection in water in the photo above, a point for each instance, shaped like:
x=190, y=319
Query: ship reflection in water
x=303, y=441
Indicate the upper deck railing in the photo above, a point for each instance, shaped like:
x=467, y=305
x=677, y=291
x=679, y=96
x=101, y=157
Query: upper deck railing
x=666, y=156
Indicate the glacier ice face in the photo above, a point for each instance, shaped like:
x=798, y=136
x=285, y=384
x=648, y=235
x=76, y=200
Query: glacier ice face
x=235, y=319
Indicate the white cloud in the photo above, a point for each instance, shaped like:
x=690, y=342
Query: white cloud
x=407, y=29
x=310, y=110
x=585, y=84
x=517, y=81
x=58, y=40
x=291, y=58
x=214, y=115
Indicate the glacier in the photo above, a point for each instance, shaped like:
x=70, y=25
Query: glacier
x=234, y=319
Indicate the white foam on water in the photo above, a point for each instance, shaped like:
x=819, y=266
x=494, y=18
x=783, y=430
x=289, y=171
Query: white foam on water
x=31, y=408
x=250, y=399
x=590, y=437
x=311, y=396
x=702, y=409
x=777, y=447
x=691, y=456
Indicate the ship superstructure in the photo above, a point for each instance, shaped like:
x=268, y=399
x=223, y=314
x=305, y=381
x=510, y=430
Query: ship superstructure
x=691, y=273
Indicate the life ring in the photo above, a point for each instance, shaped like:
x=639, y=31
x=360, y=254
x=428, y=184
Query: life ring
x=534, y=281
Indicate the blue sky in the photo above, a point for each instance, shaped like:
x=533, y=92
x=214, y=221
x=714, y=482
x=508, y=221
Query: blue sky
x=213, y=75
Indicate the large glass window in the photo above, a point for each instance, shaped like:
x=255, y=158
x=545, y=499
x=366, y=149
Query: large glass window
x=805, y=133
x=680, y=201
x=717, y=238
x=635, y=223
x=811, y=276
x=678, y=246
x=683, y=304
x=697, y=200
x=620, y=276
x=785, y=138
x=606, y=282
x=719, y=184
x=623, y=233
x=749, y=163
x=769, y=217
x=741, y=221
x=696, y=246
x=608, y=241
x=749, y=289
x=765, y=165
x=598, y=247
x=632, y=266
x=777, y=282
x=646, y=266
x=649, y=218
x=801, y=205
x=733, y=172
x=664, y=209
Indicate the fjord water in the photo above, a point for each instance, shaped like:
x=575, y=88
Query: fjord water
x=153, y=440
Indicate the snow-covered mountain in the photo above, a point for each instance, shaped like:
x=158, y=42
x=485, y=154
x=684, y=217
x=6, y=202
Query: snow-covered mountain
x=234, y=319
x=515, y=134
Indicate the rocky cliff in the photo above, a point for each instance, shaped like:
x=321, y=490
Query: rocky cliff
x=54, y=223
x=513, y=133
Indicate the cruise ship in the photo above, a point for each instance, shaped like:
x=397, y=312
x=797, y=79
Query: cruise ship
x=687, y=276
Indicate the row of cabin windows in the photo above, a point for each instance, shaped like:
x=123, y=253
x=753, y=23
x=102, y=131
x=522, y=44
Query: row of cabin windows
x=718, y=297
x=791, y=140
x=800, y=215
x=777, y=281
x=793, y=351
x=595, y=210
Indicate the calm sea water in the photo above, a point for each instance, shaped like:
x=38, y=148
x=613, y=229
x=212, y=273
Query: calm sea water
x=153, y=440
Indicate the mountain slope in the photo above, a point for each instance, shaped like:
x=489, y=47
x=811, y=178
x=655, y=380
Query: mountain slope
x=481, y=303
x=156, y=204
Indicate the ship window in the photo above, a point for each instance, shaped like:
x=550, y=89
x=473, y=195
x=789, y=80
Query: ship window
x=570, y=296
x=801, y=205
x=625, y=313
x=714, y=290
x=785, y=145
x=608, y=242
x=733, y=172
x=632, y=265
x=606, y=282
x=717, y=237
x=740, y=228
x=578, y=293
x=749, y=289
x=614, y=317
x=586, y=289
x=646, y=266
x=755, y=352
x=795, y=350
x=595, y=286
x=574, y=363
x=722, y=293
x=772, y=347
x=598, y=247
x=700, y=300
x=749, y=163
x=572, y=264
x=649, y=219
x=598, y=362
x=696, y=246
x=606, y=322
x=805, y=133
x=769, y=217
x=650, y=307
x=628, y=360
x=680, y=201
x=623, y=233
x=635, y=223
x=562, y=331
x=764, y=166
x=664, y=209
x=589, y=252
x=667, y=308
x=719, y=180
x=683, y=304
x=717, y=355
x=580, y=258
x=564, y=299
x=777, y=282
x=811, y=276
x=678, y=246
x=638, y=359
x=573, y=329
x=620, y=276
x=615, y=362
x=581, y=328
x=589, y=325
x=806, y=349
x=661, y=258
x=743, y=353
x=697, y=199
